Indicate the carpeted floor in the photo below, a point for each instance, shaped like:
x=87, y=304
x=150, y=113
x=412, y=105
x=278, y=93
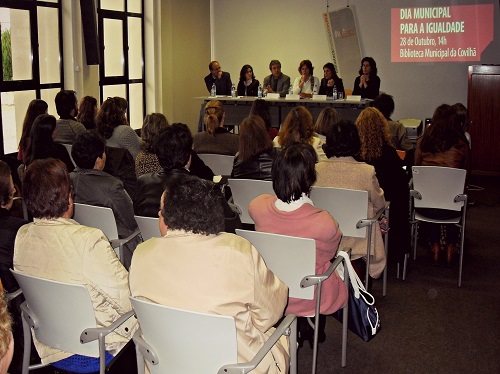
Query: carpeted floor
x=429, y=325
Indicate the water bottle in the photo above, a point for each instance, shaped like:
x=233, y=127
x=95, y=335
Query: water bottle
x=259, y=92
x=213, y=91
x=233, y=91
x=334, y=92
x=290, y=90
x=315, y=89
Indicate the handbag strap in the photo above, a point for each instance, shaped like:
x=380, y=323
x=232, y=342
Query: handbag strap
x=357, y=285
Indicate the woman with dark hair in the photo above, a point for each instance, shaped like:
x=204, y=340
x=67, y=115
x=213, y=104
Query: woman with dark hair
x=330, y=81
x=341, y=170
x=306, y=83
x=443, y=144
x=56, y=247
x=42, y=144
x=298, y=128
x=291, y=212
x=216, y=139
x=326, y=119
x=87, y=112
x=248, y=85
x=377, y=150
x=368, y=83
x=260, y=108
x=112, y=124
x=256, y=153
x=228, y=276
x=35, y=108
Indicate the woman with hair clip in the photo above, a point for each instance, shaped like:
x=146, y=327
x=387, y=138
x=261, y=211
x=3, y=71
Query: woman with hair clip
x=35, y=108
x=248, y=85
x=216, y=139
x=42, y=144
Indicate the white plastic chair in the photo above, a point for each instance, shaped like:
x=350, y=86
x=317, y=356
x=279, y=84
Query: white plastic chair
x=69, y=147
x=148, y=227
x=173, y=340
x=293, y=260
x=220, y=164
x=244, y=191
x=103, y=219
x=61, y=315
x=350, y=209
x=441, y=188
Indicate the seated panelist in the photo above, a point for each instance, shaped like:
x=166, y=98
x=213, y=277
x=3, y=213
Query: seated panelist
x=248, y=85
x=304, y=85
x=277, y=82
x=221, y=79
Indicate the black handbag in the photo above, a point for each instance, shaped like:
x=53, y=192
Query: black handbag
x=363, y=317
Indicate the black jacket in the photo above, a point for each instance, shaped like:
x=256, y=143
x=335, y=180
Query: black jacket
x=258, y=167
x=8, y=231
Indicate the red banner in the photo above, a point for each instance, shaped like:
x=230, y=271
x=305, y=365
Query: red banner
x=441, y=34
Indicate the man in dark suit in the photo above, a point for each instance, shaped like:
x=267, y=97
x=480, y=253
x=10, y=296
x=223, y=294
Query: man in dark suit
x=277, y=81
x=221, y=79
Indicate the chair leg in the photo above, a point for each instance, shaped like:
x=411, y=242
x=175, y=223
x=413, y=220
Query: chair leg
x=27, y=346
x=405, y=264
x=462, y=237
x=415, y=237
x=293, y=348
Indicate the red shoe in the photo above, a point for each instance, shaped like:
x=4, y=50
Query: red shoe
x=451, y=250
x=436, y=248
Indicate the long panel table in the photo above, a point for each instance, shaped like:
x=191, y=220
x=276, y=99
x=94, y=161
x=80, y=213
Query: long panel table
x=239, y=108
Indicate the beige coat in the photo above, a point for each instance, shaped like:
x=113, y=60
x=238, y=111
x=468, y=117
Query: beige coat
x=345, y=172
x=62, y=250
x=220, y=274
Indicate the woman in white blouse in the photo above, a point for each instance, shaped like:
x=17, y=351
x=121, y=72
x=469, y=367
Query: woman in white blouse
x=304, y=85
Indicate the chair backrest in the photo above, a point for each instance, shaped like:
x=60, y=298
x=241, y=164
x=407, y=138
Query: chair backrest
x=345, y=205
x=288, y=257
x=438, y=186
x=63, y=311
x=148, y=226
x=68, y=148
x=97, y=216
x=220, y=164
x=185, y=341
x=244, y=191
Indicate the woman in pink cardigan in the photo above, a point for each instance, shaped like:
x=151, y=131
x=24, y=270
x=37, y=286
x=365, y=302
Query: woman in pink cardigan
x=291, y=212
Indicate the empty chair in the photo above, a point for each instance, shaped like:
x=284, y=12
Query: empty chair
x=349, y=208
x=440, y=188
x=293, y=260
x=173, y=340
x=244, y=191
x=103, y=219
x=148, y=227
x=62, y=315
x=220, y=164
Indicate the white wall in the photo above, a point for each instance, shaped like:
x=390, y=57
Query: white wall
x=256, y=31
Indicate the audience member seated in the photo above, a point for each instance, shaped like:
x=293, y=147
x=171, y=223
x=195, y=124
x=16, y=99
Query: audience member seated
x=298, y=128
x=325, y=121
x=248, y=85
x=6, y=339
x=255, y=157
x=367, y=84
x=341, y=170
x=87, y=112
x=260, y=108
x=227, y=274
x=174, y=153
x=112, y=124
x=304, y=85
x=463, y=116
x=68, y=128
x=93, y=186
x=377, y=150
x=9, y=226
x=216, y=139
x=35, y=108
x=330, y=81
x=443, y=144
x=221, y=79
x=56, y=247
x=42, y=144
x=277, y=82
x=399, y=137
x=147, y=160
x=291, y=212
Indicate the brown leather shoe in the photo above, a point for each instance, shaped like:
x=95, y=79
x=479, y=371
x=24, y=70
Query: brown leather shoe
x=436, y=248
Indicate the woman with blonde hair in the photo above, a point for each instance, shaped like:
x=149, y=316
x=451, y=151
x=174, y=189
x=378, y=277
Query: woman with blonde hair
x=377, y=150
x=326, y=119
x=216, y=139
x=298, y=128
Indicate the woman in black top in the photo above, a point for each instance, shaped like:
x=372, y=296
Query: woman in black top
x=368, y=83
x=331, y=80
x=248, y=85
